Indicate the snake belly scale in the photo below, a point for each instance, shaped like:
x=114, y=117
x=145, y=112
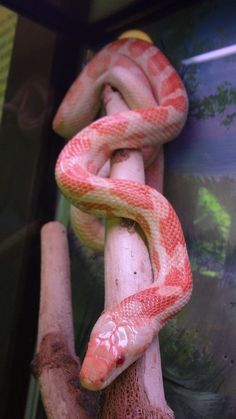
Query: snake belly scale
x=158, y=107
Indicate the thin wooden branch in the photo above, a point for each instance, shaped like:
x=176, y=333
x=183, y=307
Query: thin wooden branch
x=138, y=392
x=55, y=365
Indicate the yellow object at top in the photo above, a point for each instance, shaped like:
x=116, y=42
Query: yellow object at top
x=135, y=33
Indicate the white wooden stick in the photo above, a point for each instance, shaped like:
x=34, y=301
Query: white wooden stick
x=127, y=269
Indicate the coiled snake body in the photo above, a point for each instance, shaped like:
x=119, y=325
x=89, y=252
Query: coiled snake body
x=153, y=90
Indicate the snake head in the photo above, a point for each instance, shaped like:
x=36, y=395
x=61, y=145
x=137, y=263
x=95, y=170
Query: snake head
x=105, y=355
x=115, y=343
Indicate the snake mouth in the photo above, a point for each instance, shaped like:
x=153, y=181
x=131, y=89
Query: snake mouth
x=93, y=373
x=91, y=385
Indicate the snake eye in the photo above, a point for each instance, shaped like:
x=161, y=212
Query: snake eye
x=120, y=360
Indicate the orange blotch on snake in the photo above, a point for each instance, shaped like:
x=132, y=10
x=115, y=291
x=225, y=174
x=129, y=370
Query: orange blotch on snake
x=73, y=181
x=187, y=283
x=81, y=143
x=112, y=125
x=170, y=84
x=115, y=46
x=173, y=129
x=178, y=103
x=91, y=167
x=83, y=188
x=106, y=150
x=124, y=62
x=150, y=302
x=169, y=245
x=103, y=208
x=180, y=278
x=157, y=63
x=170, y=239
x=173, y=278
x=138, y=47
x=154, y=115
x=95, y=67
x=135, y=140
x=134, y=194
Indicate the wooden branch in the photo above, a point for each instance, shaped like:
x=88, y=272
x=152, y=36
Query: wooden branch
x=138, y=392
x=55, y=364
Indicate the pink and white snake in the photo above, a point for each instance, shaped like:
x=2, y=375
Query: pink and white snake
x=158, y=107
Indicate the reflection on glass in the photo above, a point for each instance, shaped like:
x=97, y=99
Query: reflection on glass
x=211, y=55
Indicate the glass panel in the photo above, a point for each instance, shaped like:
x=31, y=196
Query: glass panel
x=199, y=346
x=8, y=21
x=27, y=194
